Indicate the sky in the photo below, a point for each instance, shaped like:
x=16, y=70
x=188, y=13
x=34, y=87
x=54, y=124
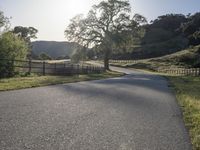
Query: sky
x=51, y=17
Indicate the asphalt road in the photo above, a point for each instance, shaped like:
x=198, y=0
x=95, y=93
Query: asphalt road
x=134, y=112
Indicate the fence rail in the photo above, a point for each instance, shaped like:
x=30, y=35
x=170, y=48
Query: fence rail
x=43, y=67
x=181, y=71
x=174, y=71
x=122, y=61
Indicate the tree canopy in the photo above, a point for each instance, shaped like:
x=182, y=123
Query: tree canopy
x=102, y=27
x=27, y=33
x=14, y=45
x=4, y=22
x=11, y=48
x=191, y=29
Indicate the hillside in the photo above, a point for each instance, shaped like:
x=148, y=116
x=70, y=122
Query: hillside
x=187, y=58
x=53, y=48
x=165, y=35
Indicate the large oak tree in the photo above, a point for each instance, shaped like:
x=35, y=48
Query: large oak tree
x=101, y=27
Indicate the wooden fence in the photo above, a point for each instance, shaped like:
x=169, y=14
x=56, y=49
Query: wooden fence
x=173, y=71
x=43, y=67
x=181, y=71
x=123, y=61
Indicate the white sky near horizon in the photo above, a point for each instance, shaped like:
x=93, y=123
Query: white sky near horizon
x=51, y=17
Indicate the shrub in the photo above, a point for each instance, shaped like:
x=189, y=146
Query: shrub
x=11, y=48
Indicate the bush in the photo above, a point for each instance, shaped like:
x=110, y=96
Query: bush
x=11, y=48
x=44, y=56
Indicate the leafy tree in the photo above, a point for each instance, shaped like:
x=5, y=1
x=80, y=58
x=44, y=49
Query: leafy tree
x=103, y=22
x=4, y=22
x=80, y=54
x=11, y=48
x=125, y=40
x=63, y=57
x=44, y=56
x=26, y=33
x=169, y=22
x=191, y=29
x=163, y=28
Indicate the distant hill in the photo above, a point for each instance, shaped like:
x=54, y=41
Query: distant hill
x=53, y=48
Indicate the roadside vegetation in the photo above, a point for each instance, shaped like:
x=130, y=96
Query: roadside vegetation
x=15, y=44
x=37, y=81
x=188, y=96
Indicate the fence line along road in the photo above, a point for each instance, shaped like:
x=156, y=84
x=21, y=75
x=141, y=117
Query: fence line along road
x=181, y=71
x=44, y=67
x=174, y=71
x=122, y=61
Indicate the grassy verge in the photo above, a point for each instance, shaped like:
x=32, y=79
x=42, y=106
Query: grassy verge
x=36, y=81
x=188, y=95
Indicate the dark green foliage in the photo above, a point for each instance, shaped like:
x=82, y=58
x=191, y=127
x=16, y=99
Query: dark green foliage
x=157, y=35
x=44, y=56
x=27, y=33
x=191, y=29
x=168, y=34
x=169, y=22
x=63, y=57
x=162, y=37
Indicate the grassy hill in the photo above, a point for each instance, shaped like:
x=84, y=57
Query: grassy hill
x=53, y=48
x=187, y=58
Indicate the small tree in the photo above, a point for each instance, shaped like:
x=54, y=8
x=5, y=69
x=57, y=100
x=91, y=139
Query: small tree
x=4, y=22
x=44, y=56
x=99, y=28
x=26, y=33
x=11, y=48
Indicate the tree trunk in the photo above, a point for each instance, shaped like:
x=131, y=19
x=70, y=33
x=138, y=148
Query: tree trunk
x=106, y=63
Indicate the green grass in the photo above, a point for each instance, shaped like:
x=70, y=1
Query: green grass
x=187, y=58
x=188, y=95
x=36, y=81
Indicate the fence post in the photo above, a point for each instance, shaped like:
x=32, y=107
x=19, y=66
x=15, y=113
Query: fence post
x=199, y=71
x=87, y=69
x=44, y=68
x=196, y=72
x=64, y=71
x=55, y=67
x=78, y=69
x=29, y=66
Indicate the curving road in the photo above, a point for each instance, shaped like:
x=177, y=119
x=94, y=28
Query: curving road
x=134, y=112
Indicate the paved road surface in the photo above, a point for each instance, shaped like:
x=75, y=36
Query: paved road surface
x=135, y=112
